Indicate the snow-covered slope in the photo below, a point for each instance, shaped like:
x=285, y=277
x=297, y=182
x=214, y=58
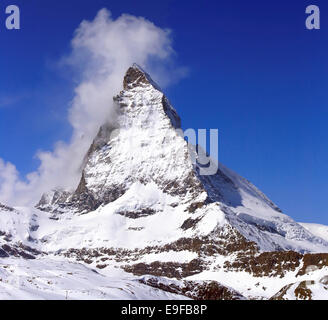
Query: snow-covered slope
x=143, y=206
x=53, y=279
x=318, y=230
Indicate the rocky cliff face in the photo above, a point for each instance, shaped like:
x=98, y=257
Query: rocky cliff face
x=143, y=206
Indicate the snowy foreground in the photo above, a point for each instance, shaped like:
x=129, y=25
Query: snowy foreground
x=54, y=279
x=58, y=279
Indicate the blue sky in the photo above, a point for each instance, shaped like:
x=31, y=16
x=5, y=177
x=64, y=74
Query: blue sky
x=255, y=73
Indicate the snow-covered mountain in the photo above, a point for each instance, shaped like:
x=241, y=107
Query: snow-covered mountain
x=144, y=208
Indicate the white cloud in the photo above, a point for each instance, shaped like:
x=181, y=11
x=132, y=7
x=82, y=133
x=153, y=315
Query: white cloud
x=102, y=51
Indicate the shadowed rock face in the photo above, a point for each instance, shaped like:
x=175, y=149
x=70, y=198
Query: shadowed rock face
x=18, y=251
x=136, y=77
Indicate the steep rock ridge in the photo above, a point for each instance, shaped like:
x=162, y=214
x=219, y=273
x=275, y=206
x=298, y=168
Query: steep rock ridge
x=143, y=147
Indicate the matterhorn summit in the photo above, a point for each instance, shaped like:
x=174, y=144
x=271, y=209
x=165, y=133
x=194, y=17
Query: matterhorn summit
x=144, y=215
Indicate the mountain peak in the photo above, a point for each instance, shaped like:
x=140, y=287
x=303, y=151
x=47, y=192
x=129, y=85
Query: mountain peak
x=136, y=76
x=147, y=153
x=143, y=206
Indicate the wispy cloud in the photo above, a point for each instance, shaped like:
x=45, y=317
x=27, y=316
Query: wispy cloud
x=102, y=50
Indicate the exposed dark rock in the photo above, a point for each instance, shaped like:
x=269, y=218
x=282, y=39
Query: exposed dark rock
x=136, y=77
x=281, y=294
x=3, y=254
x=137, y=213
x=267, y=263
x=19, y=250
x=190, y=223
x=197, y=290
x=319, y=260
x=303, y=292
x=167, y=269
x=194, y=206
x=175, y=119
x=265, y=228
x=5, y=208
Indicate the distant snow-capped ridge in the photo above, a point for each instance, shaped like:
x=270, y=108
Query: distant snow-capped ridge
x=143, y=207
x=317, y=229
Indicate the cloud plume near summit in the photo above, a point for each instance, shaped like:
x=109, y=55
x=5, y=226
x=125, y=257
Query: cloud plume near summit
x=102, y=50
